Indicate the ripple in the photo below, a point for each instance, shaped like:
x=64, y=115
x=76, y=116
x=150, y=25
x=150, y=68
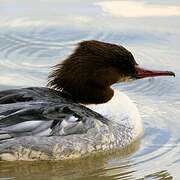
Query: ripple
x=29, y=47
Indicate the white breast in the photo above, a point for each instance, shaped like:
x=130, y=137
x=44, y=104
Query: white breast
x=122, y=110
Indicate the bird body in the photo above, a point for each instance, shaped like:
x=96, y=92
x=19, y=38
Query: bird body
x=80, y=113
x=43, y=124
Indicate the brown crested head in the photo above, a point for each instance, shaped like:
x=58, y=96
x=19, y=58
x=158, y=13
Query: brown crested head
x=88, y=73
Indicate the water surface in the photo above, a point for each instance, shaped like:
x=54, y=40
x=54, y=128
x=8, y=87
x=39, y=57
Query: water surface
x=35, y=35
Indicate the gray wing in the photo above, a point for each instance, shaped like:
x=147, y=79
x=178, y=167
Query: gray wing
x=40, y=120
x=40, y=112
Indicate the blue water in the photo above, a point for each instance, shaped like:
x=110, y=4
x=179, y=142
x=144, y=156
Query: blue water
x=35, y=35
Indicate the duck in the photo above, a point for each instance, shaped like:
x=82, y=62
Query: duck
x=79, y=112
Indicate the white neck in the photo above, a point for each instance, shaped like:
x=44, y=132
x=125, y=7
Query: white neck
x=121, y=110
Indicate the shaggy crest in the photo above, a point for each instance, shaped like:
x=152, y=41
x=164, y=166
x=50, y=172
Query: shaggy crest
x=88, y=73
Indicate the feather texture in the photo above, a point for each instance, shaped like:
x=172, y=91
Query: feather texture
x=40, y=112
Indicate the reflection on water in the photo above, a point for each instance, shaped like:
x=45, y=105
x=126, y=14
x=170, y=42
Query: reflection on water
x=35, y=36
x=138, y=9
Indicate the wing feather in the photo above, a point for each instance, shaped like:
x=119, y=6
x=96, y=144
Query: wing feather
x=40, y=112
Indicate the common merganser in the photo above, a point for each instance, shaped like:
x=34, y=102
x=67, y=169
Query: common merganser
x=79, y=113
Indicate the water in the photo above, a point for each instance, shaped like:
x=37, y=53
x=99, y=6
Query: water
x=35, y=35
